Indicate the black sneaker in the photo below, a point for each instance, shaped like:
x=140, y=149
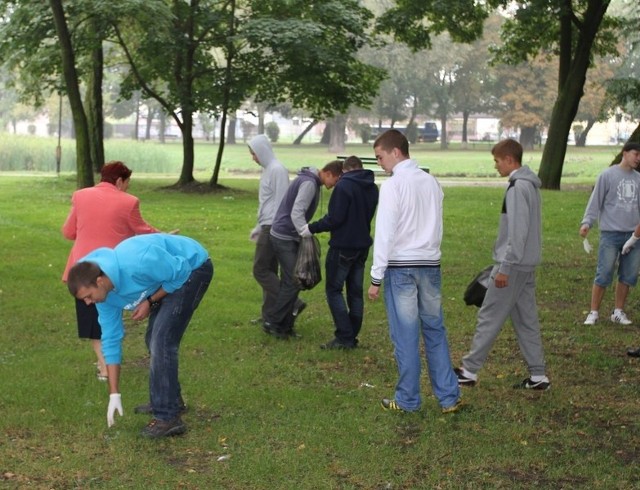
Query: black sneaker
x=278, y=332
x=388, y=404
x=161, y=428
x=462, y=379
x=336, y=344
x=527, y=384
x=147, y=408
x=633, y=352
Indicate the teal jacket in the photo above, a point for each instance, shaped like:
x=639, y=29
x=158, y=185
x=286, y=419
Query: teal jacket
x=138, y=267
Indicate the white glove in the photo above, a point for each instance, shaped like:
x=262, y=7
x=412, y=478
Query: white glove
x=305, y=231
x=253, y=236
x=626, y=248
x=587, y=246
x=115, y=405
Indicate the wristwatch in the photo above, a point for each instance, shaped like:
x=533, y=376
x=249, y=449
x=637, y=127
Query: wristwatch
x=152, y=304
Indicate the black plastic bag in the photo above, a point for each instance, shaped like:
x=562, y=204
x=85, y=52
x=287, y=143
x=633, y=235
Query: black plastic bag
x=307, y=273
x=477, y=289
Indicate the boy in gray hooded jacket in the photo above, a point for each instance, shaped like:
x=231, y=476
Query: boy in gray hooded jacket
x=274, y=182
x=511, y=291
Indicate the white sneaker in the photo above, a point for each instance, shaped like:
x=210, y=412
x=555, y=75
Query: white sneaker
x=619, y=316
x=592, y=318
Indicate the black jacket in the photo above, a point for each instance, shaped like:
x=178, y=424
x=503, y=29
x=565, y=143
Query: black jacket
x=351, y=208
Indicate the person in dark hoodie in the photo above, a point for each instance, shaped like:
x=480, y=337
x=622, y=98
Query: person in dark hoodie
x=351, y=208
x=512, y=289
x=289, y=224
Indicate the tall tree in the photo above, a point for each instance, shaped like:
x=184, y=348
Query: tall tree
x=573, y=33
x=595, y=106
x=308, y=54
x=575, y=29
x=526, y=96
x=29, y=46
x=83, y=151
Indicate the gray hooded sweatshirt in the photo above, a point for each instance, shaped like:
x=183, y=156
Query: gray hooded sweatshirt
x=519, y=243
x=274, y=180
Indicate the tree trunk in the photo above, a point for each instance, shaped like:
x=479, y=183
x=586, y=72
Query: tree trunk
x=136, y=125
x=231, y=130
x=83, y=154
x=216, y=169
x=528, y=137
x=147, y=130
x=581, y=140
x=261, y=111
x=230, y=56
x=298, y=140
x=186, y=175
x=571, y=87
x=95, y=115
x=325, y=139
x=162, y=126
x=337, y=126
x=465, y=123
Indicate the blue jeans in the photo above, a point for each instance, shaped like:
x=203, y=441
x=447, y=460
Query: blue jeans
x=345, y=267
x=167, y=324
x=609, y=250
x=413, y=302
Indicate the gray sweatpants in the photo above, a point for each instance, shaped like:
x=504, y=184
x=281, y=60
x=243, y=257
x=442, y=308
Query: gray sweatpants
x=518, y=301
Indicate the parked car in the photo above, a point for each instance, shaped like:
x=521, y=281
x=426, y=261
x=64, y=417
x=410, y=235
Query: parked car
x=429, y=133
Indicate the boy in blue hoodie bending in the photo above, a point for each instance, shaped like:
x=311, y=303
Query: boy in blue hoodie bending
x=161, y=277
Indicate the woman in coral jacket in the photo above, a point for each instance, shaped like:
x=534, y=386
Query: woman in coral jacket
x=101, y=216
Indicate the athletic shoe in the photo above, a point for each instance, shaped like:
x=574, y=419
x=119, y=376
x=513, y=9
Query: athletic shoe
x=161, y=428
x=336, y=344
x=462, y=379
x=453, y=408
x=633, y=352
x=620, y=317
x=527, y=384
x=388, y=404
x=592, y=318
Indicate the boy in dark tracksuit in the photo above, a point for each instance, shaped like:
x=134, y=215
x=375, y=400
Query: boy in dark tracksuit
x=511, y=293
x=351, y=208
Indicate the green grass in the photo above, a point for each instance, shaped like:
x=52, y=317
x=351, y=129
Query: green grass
x=20, y=154
x=292, y=416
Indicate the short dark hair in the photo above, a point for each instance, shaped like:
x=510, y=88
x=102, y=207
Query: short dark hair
x=351, y=163
x=508, y=147
x=392, y=139
x=630, y=146
x=114, y=170
x=334, y=168
x=82, y=275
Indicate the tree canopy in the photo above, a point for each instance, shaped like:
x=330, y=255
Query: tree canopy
x=575, y=30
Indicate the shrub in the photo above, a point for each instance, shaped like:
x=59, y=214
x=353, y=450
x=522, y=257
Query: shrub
x=273, y=131
x=364, y=131
x=412, y=132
